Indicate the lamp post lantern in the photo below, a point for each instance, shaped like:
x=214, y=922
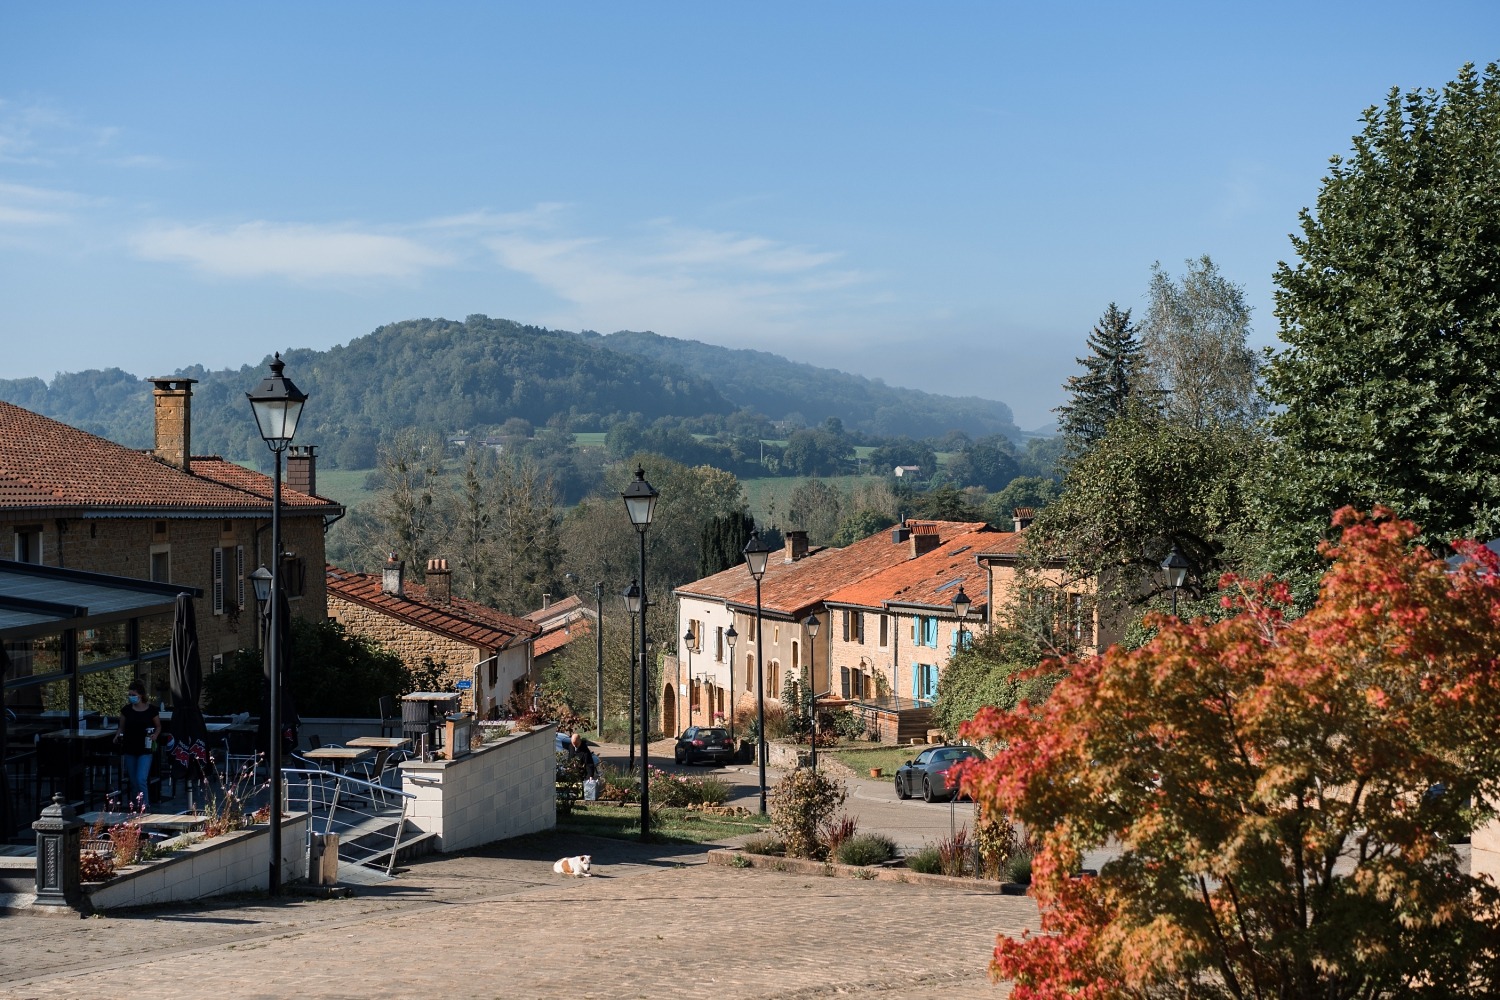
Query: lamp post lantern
x=687, y=640
x=640, y=503
x=632, y=597
x=757, y=553
x=961, y=605
x=731, y=637
x=812, y=624
x=1175, y=566
x=261, y=581
x=277, y=405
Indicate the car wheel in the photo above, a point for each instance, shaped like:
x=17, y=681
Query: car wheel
x=927, y=791
x=901, y=792
x=679, y=755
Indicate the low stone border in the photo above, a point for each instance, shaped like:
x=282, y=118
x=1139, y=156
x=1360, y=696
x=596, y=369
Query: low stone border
x=874, y=873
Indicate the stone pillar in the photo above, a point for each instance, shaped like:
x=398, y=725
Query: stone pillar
x=59, y=839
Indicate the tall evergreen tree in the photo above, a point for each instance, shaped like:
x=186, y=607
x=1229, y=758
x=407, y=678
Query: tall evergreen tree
x=1391, y=321
x=722, y=542
x=1099, y=394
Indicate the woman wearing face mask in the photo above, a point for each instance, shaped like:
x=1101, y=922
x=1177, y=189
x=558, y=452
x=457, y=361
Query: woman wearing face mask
x=139, y=726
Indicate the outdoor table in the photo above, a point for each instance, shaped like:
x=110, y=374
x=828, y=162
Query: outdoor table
x=339, y=757
x=381, y=742
x=83, y=744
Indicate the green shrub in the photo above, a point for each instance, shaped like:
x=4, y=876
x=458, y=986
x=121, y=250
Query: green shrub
x=927, y=861
x=1018, y=869
x=866, y=849
x=800, y=804
x=687, y=790
x=765, y=844
x=848, y=725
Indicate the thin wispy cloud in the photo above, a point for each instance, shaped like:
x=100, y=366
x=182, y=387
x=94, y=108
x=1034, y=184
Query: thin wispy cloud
x=22, y=205
x=300, y=253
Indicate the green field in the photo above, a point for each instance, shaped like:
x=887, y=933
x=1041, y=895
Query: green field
x=347, y=486
x=758, y=492
x=589, y=439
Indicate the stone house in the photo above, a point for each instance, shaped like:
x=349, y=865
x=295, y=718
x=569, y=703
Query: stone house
x=73, y=500
x=560, y=622
x=793, y=588
x=482, y=652
x=891, y=634
x=1066, y=603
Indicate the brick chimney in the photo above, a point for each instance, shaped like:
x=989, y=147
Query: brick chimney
x=924, y=538
x=173, y=400
x=900, y=533
x=439, y=581
x=546, y=601
x=390, y=579
x=302, y=468
x=796, y=546
x=1022, y=517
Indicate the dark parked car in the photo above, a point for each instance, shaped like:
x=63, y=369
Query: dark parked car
x=930, y=772
x=704, y=743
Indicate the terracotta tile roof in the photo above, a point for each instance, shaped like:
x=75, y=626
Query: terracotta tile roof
x=559, y=637
x=467, y=621
x=1004, y=545
x=792, y=589
x=929, y=580
x=557, y=609
x=45, y=463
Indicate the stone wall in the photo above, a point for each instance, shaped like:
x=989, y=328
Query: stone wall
x=506, y=789
x=125, y=547
x=411, y=642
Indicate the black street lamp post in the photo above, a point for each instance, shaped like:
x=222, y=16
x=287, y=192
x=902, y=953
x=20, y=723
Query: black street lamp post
x=633, y=603
x=687, y=640
x=756, y=555
x=961, y=605
x=812, y=623
x=731, y=637
x=640, y=503
x=599, y=659
x=277, y=404
x=1175, y=566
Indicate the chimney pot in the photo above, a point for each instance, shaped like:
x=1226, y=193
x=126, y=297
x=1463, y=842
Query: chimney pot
x=302, y=468
x=390, y=578
x=439, y=581
x=796, y=546
x=172, y=400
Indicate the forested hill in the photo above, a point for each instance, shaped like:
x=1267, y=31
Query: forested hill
x=445, y=376
x=776, y=387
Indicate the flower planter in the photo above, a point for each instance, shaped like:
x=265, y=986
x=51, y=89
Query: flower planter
x=877, y=772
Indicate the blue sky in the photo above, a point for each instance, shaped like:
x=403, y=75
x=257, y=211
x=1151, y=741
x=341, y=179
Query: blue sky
x=942, y=195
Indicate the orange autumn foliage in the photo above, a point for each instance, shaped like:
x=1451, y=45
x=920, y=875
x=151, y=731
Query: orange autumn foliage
x=1283, y=794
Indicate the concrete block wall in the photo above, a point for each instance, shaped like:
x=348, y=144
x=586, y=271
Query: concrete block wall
x=506, y=789
x=235, y=862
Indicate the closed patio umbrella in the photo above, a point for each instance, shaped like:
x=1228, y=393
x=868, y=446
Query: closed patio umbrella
x=188, y=728
x=289, y=718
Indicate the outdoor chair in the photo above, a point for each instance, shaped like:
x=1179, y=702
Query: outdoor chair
x=390, y=719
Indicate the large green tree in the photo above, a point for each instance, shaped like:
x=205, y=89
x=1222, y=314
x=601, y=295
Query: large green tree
x=1391, y=321
x=1110, y=376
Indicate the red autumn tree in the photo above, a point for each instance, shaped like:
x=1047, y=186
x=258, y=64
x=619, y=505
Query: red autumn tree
x=1283, y=794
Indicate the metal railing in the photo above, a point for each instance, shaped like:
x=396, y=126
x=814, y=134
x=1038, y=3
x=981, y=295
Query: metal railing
x=361, y=812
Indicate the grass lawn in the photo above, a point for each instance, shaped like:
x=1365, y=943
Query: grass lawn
x=669, y=826
x=347, y=486
x=589, y=439
x=864, y=758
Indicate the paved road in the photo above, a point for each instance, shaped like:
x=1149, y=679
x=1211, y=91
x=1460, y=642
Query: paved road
x=657, y=922
x=911, y=824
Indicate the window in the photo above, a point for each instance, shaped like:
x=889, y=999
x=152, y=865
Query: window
x=924, y=631
x=216, y=574
x=749, y=671
x=753, y=625
x=859, y=627
x=924, y=681
x=885, y=631
x=161, y=564
x=719, y=644
x=796, y=657
x=29, y=544
x=844, y=687
x=847, y=615
x=293, y=574
x=775, y=680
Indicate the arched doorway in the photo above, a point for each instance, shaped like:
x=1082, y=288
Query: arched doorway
x=668, y=710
